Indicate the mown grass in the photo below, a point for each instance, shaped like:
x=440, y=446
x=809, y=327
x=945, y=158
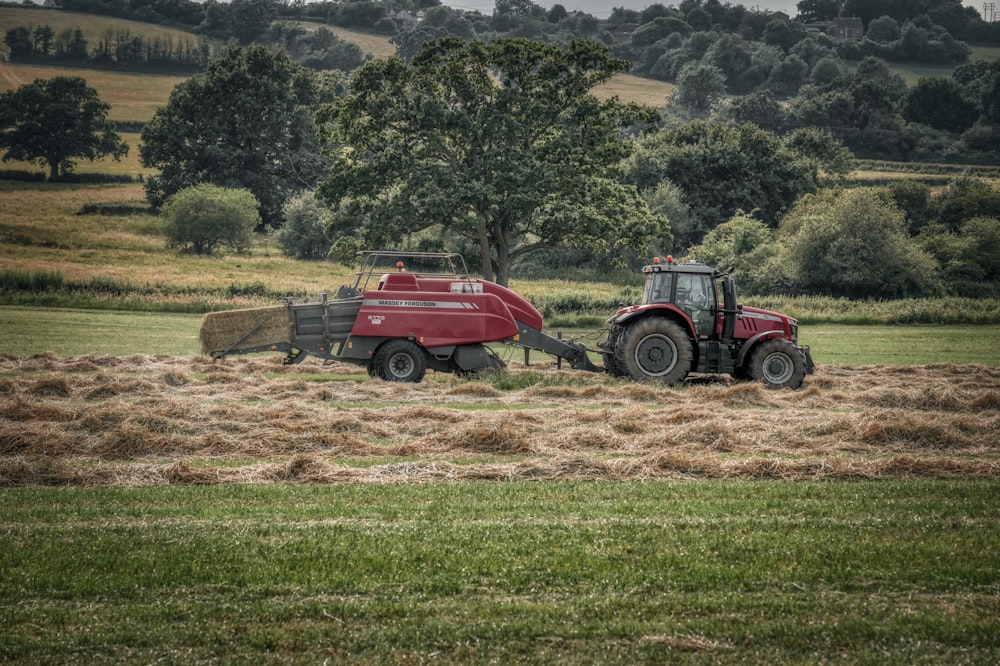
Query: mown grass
x=564, y=572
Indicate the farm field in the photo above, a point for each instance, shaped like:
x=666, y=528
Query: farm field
x=159, y=507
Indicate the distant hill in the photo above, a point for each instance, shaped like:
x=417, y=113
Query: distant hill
x=94, y=27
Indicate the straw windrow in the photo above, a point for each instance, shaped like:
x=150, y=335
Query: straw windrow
x=146, y=420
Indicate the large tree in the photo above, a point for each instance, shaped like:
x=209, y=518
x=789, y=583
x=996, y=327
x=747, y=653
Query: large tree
x=500, y=144
x=245, y=123
x=723, y=169
x=53, y=121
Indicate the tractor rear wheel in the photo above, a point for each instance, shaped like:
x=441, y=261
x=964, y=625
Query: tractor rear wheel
x=655, y=348
x=608, y=353
x=778, y=364
x=400, y=361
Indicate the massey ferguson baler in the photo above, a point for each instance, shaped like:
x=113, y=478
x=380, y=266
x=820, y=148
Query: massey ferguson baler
x=403, y=316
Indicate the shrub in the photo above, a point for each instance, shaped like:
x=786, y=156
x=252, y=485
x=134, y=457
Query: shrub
x=303, y=236
x=201, y=218
x=729, y=242
x=855, y=243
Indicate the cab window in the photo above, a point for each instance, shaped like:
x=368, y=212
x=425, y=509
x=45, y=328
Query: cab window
x=696, y=296
x=658, y=288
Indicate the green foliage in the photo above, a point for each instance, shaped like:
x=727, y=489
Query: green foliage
x=512, y=167
x=204, y=217
x=731, y=242
x=760, y=108
x=304, y=233
x=884, y=29
x=245, y=123
x=828, y=156
x=941, y=104
x=54, y=121
x=969, y=257
x=826, y=71
x=699, y=89
x=914, y=199
x=722, y=169
x=854, y=243
x=787, y=76
x=964, y=198
x=667, y=200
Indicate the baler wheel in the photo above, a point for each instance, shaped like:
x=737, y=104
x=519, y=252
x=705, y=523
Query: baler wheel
x=400, y=361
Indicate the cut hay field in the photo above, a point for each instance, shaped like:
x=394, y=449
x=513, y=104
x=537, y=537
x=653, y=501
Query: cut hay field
x=155, y=419
x=133, y=96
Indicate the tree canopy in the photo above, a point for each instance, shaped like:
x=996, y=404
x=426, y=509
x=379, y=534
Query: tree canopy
x=53, y=121
x=245, y=123
x=499, y=145
x=722, y=169
x=854, y=243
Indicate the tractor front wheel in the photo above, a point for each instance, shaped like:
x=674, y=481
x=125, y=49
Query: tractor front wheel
x=655, y=348
x=778, y=364
x=400, y=361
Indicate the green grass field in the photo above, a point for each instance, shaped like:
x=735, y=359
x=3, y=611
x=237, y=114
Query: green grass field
x=556, y=572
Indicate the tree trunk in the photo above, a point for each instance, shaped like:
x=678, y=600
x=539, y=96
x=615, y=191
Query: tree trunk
x=53, y=170
x=502, y=248
x=485, y=256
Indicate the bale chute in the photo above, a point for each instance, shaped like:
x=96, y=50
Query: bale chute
x=245, y=330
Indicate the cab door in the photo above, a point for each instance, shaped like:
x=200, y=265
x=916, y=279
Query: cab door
x=697, y=297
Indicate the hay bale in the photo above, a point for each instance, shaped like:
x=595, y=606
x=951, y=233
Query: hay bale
x=221, y=330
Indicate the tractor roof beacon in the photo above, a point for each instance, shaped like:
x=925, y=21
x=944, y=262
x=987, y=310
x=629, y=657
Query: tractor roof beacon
x=689, y=321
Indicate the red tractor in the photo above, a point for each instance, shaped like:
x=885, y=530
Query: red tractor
x=682, y=326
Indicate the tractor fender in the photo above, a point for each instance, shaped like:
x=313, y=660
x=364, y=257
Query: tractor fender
x=655, y=310
x=747, y=346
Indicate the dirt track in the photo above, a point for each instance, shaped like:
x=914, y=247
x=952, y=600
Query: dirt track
x=144, y=420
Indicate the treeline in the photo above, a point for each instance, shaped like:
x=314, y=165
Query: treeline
x=116, y=46
x=899, y=241
x=214, y=23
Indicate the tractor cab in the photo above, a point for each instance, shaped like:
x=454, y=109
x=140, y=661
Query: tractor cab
x=694, y=289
